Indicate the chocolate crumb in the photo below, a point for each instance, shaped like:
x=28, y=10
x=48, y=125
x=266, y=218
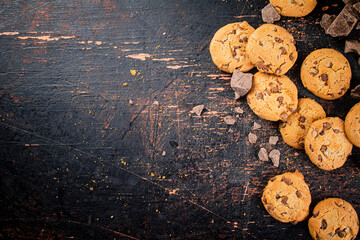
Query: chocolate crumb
x=273, y=140
x=275, y=157
x=316, y=214
x=256, y=126
x=239, y=110
x=198, y=109
x=335, y=130
x=269, y=14
x=326, y=125
x=259, y=96
x=270, y=208
x=302, y=119
x=241, y=83
x=284, y=200
x=252, y=138
x=229, y=120
x=131, y=102
x=263, y=155
x=352, y=46
x=298, y=194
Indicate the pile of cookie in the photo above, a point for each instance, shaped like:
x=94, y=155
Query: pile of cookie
x=236, y=48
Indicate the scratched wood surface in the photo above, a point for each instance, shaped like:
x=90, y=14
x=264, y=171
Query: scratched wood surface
x=98, y=140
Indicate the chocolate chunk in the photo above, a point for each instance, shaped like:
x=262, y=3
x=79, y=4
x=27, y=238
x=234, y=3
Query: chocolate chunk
x=302, y=126
x=342, y=234
x=324, y=77
x=337, y=230
x=252, y=138
x=326, y=21
x=243, y=38
x=335, y=130
x=291, y=57
x=326, y=125
x=343, y=23
x=264, y=200
x=352, y=46
x=278, y=71
x=311, y=149
x=239, y=110
x=261, y=66
x=259, y=96
x=298, y=194
x=269, y=14
x=356, y=6
x=270, y=208
x=263, y=155
x=277, y=196
x=273, y=140
x=261, y=44
x=279, y=40
x=323, y=224
x=316, y=214
x=256, y=126
x=355, y=93
x=314, y=71
x=287, y=181
x=273, y=179
x=350, y=1
x=323, y=148
x=322, y=133
x=275, y=157
x=284, y=200
x=283, y=50
x=284, y=116
x=319, y=158
x=302, y=119
x=198, y=109
x=241, y=82
x=229, y=120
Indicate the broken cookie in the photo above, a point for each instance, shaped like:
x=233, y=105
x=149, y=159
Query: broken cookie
x=241, y=83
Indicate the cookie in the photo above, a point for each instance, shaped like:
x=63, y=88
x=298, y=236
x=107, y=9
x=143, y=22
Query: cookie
x=227, y=47
x=287, y=197
x=294, y=8
x=326, y=143
x=326, y=73
x=352, y=125
x=294, y=130
x=272, y=97
x=272, y=49
x=334, y=218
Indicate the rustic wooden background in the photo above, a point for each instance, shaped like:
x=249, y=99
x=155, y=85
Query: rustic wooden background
x=97, y=136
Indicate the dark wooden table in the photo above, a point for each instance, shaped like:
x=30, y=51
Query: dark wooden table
x=98, y=140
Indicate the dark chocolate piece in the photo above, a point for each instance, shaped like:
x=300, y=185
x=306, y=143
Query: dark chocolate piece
x=198, y=109
x=241, y=83
x=352, y=46
x=269, y=14
x=326, y=21
x=344, y=22
x=355, y=93
x=263, y=155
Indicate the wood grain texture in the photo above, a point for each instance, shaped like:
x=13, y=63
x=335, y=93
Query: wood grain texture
x=98, y=138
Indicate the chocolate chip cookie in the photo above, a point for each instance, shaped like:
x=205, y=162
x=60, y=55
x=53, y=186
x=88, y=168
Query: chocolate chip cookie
x=227, y=48
x=352, y=125
x=294, y=130
x=272, y=49
x=326, y=143
x=334, y=218
x=294, y=8
x=326, y=73
x=287, y=197
x=272, y=97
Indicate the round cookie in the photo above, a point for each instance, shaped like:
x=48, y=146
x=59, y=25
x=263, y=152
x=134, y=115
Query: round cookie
x=294, y=130
x=227, y=48
x=294, y=8
x=326, y=73
x=352, y=125
x=334, y=218
x=326, y=143
x=272, y=97
x=287, y=197
x=272, y=49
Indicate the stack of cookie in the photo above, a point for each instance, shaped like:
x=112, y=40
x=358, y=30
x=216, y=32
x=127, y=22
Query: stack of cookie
x=327, y=141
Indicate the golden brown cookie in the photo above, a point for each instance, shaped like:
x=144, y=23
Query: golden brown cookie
x=294, y=130
x=272, y=49
x=335, y=219
x=227, y=48
x=326, y=143
x=352, y=125
x=294, y=8
x=272, y=97
x=326, y=73
x=287, y=197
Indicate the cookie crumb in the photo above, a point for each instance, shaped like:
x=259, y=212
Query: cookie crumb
x=229, y=120
x=355, y=93
x=252, y=138
x=275, y=157
x=131, y=102
x=163, y=153
x=256, y=126
x=296, y=154
x=239, y=110
x=156, y=102
x=269, y=14
x=241, y=83
x=263, y=155
x=273, y=140
x=198, y=109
